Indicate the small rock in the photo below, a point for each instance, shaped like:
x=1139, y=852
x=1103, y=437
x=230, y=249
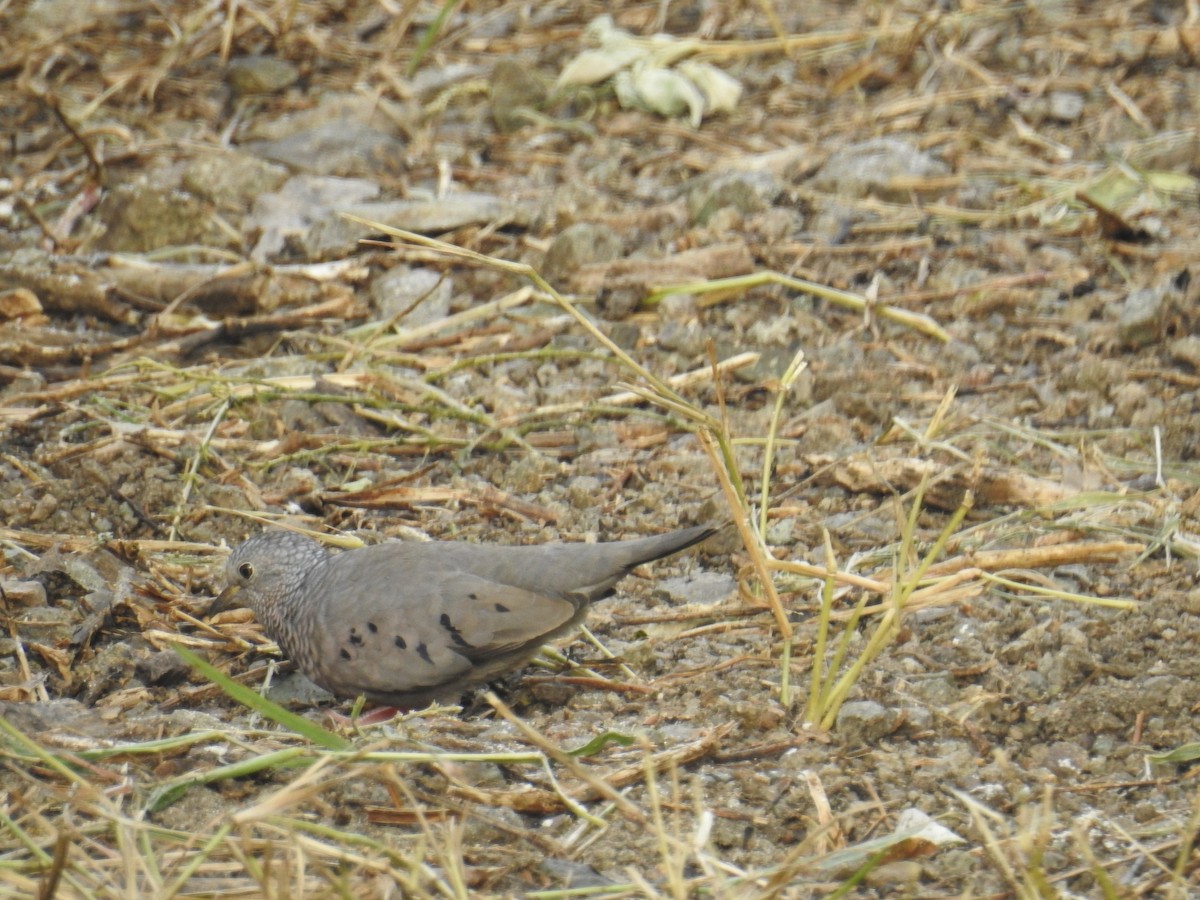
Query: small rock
x=1029, y=686
x=771, y=364
x=1064, y=106
x=529, y=474
x=294, y=688
x=865, y=721
x=109, y=670
x=552, y=693
x=299, y=417
x=1148, y=416
x=1128, y=398
x=417, y=296
x=304, y=200
x=22, y=593
x=726, y=220
x=777, y=224
x=918, y=719
x=48, y=624
x=1142, y=315
x=575, y=875
x=868, y=167
x=1186, y=350
x=143, y=216
x=686, y=338
x=332, y=236
x=745, y=192
x=895, y=873
x=346, y=149
x=701, y=588
x=579, y=245
x=617, y=302
x=583, y=490
x=163, y=667
x=679, y=307
x=260, y=75
x=56, y=716
x=831, y=221
x=231, y=179
x=516, y=92
x=1065, y=759
x=780, y=532
x=626, y=335
x=19, y=303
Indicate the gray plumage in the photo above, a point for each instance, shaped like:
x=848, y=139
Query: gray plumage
x=407, y=623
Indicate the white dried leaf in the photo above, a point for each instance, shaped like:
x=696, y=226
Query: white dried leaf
x=594, y=66
x=659, y=90
x=627, y=94
x=660, y=49
x=664, y=50
x=926, y=828
x=721, y=91
x=617, y=50
x=600, y=29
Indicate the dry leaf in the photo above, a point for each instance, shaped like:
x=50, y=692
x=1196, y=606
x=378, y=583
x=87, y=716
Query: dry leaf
x=721, y=91
x=659, y=90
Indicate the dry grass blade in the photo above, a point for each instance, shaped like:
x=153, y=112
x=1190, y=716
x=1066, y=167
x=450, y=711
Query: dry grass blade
x=526, y=271
x=916, y=321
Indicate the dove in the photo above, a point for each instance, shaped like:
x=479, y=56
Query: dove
x=407, y=623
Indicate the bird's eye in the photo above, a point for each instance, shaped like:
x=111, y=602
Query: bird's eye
x=246, y=570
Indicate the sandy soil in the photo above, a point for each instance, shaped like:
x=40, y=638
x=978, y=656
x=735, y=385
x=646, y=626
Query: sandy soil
x=1018, y=182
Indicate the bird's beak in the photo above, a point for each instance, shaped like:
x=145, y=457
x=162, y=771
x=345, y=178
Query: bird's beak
x=227, y=599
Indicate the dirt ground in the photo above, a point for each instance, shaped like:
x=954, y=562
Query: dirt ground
x=977, y=223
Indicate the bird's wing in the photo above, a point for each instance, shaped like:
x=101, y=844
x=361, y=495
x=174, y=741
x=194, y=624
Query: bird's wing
x=437, y=629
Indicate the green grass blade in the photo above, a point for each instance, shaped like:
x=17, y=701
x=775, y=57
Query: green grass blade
x=260, y=704
x=431, y=34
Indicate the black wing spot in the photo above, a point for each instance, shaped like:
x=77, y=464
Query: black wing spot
x=345, y=653
x=455, y=635
x=500, y=607
x=356, y=639
x=423, y=652
x=472, y=596
x=400, y=642
x=372, y=627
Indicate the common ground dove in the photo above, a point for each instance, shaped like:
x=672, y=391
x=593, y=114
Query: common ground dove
x=406, y=623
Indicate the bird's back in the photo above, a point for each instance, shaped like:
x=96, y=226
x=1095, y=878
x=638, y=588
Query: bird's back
x=408, y=622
